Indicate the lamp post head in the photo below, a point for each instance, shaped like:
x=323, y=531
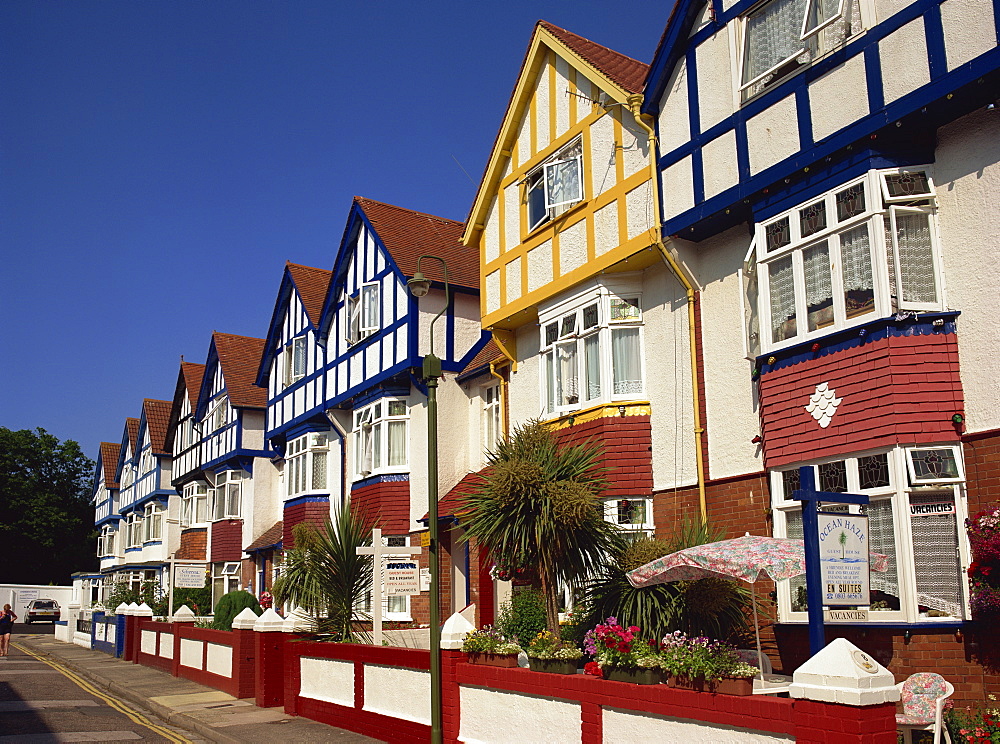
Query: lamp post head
x=419, y=285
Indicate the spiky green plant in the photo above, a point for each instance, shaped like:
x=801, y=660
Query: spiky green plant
x=536, y=506
x=711, y=607
x=325, y=576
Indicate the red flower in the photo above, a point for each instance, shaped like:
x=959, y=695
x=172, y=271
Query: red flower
x=592, y=668
x=610, y=642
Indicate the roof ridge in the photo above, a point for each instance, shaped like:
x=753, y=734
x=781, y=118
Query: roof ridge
x=581, y=45
x=309, y=268
x=410, y=211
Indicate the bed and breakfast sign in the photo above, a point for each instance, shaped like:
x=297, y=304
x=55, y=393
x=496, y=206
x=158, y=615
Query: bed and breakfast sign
x=844, y=548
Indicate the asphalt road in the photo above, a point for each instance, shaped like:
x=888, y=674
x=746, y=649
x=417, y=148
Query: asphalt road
x=43, y=702
x=34, y=629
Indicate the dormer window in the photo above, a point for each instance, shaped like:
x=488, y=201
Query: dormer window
x=555, y=186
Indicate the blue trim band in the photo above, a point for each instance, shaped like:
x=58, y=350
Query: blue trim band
x=375, y=479
x=307, y=500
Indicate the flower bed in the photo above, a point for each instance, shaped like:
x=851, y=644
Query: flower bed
x=984, y=571
x=488, y=646
x=548, y=653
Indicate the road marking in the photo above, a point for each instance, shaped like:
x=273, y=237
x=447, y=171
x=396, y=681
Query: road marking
x=116, y=704
x=19, y=672
x=26, y=706
x=71, y=736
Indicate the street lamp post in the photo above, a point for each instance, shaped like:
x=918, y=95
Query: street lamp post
x=419, y=286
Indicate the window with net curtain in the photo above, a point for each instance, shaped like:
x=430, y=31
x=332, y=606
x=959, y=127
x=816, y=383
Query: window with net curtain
x=380, y=438
x=592, y=351
x=818, y=262
x=306, y=463
x=917, y=528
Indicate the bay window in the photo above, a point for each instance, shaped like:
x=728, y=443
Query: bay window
x=225, y=579
x=226, y=495
x=555, y=186
x=194, y=503
x=106, y=541
x=862, y=251
x=306, y=464
x=380, y=438
x=133, y=530
x=914, y=521
x=363, y=313
x=152, y=522
x=592, y=351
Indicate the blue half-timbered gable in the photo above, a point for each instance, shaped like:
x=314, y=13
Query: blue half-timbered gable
x=105, y=498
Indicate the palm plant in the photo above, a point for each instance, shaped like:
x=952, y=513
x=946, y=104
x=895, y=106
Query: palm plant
x=711, y=607
x=536, y=507
x=325, y=576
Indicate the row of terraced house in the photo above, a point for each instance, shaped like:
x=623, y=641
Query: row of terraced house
x=774, y=246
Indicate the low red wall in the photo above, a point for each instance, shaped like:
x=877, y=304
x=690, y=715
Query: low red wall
x=154, y=660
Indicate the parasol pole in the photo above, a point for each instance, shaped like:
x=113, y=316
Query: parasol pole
x=756, y=627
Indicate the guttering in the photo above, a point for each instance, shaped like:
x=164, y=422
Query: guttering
x=635, y=105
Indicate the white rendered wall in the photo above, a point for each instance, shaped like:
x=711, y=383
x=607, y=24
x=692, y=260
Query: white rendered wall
x=397, y=692
x=219, y=660
x=329, y=680
x=191, y=653
x=486, y=717
x=628, y=726
x=167, y=645
x=967, y=181
x=147, y=642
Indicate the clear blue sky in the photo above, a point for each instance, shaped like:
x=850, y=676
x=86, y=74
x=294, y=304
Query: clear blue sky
x=160, y=161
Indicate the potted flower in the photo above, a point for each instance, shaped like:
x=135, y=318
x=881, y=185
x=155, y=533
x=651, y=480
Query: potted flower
x=622, y=655
x=547, y=653
x=487, y=646
x=704, y=664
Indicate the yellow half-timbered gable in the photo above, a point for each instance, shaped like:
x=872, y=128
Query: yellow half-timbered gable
x=566, y=193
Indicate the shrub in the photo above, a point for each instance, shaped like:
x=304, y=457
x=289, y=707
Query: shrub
x=232, y=604
x=523, y=616
x=199, y=600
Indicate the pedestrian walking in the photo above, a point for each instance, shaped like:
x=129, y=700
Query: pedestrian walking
x=7, y=618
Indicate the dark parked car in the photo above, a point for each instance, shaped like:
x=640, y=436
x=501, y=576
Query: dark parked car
x=42, y=609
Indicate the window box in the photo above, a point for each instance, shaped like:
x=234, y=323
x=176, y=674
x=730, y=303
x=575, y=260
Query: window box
x=554, y=666
x=505, y=661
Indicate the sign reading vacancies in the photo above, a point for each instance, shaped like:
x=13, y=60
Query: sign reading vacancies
x=843, y=555
x=189, y=577
x=402, y=577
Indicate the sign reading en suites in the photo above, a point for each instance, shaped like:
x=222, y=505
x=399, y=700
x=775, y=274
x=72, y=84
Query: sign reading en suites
x=843, y=555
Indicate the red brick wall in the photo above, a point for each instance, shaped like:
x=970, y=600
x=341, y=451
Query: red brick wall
x=385, y=505
x=193, y=545
x=310, y=512
x=227, y=540
x=898, y=389
x=982, y=469
x=628, y=445
x=420, y=603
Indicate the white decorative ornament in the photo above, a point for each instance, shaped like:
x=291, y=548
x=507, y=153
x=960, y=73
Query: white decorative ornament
x=823, y=404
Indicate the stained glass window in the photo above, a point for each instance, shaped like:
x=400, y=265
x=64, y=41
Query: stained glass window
x=833, y=477
x=778, y=234
x=590, y=316
x=873, y=471
x=551, y=333
x=933, y=465
x=568, y=325
x=911, y=183
x=812, y=219
x=790, y=482
x=850, y=202
x=624, y=309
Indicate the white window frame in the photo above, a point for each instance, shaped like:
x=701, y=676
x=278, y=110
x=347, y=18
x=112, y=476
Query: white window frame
x=634, y=530
x=541, y=178
x=133, y=530
x=295, y=360
x=370, y=438
x=492, y=416
x=812, y=43
x=875, y=217
x=570, y=339
x=929, y=481
x=217, y=418
x=227, y=495
x=152, y=522
x=194, y=502
x=900, y=492
x=364, y=312
x=365, y=606
x=106, y=542
x=227, y=576
x=146, y=462
x=307, y=464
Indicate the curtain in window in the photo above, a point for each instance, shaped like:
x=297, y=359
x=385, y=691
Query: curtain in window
x=882, y=539
x=772, y=36
x=563, y=183
x=550, y=382
x=567, y=382
x=625, y=361
x=592, y=366
x=319, y=470
x=935, y=554
x=796, y=584
x=856, y=265
x=376, y=446
x=370, y=306
x=397, y=443
x=299, y=363
x=819, y=286
x=916, y=257
x=781, y=286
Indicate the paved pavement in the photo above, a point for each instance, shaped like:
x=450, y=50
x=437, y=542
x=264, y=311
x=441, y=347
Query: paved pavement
x=210, y=714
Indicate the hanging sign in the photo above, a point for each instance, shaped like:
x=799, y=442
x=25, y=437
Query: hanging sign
x=843, y=551
x=402, y=577
x=189, y=577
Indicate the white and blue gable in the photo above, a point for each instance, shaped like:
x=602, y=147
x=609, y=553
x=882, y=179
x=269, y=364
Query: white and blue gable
x=293, y=360
x=148, y=462
x=759, y=105
x=103, y=495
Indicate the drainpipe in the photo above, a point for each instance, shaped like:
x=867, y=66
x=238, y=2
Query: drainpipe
x=503, y=398
x=634, y=103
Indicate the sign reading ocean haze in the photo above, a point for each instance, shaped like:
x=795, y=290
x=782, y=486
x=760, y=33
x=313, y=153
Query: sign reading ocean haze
x=843, y=555
x=189, y=577
x=402, y=577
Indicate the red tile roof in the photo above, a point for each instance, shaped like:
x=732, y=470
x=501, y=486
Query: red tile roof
x=109, y=463
x=193, y=374
x=157, y=419
x=408, y=234
x=132, y=427
x=629, y=73
x=452, y=504
x=489, y=353
x=311, y=285
x=239, y=357
x=270, y=538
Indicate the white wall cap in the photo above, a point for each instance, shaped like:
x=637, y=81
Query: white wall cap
x=245, y=620
x=123, y=609
x=183, y=614
x=269, y=621
x=73, y=606
x=454, y=630
x=843, y=673
x=297, y=621
x=143, y=610
x=132, y=608
x=469, y=613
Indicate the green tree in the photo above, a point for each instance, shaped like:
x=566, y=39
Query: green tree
x=842, y=539
x=536, y=507
x=324, y=575
x=46, y=515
